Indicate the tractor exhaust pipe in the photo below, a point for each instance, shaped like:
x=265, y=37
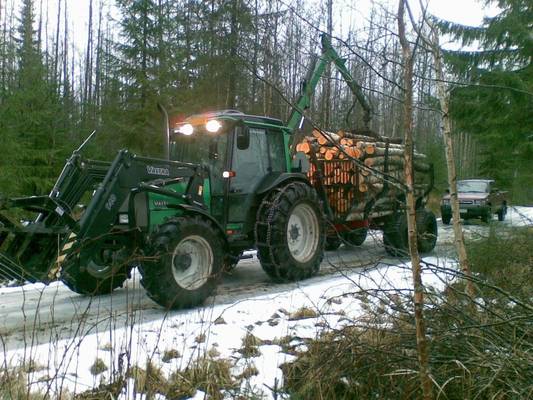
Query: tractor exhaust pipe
x=166, y=124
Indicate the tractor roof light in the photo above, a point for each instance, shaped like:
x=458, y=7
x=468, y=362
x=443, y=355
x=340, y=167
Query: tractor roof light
x=186, y=129
x=213, y=126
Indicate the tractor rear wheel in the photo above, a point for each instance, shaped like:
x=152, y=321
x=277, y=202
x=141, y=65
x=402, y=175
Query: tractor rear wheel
x=290, y=233
x=187, y=260
x=98, y=268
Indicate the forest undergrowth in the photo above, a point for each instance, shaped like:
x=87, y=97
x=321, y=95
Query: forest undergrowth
x=480, y=348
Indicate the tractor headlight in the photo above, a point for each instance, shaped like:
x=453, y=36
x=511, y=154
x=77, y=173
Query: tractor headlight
x=480, y=202
x=123, y=219
x=186, y=129
x=213, y=126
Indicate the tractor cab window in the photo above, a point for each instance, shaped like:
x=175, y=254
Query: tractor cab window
x=251, y=163
x=264, y=154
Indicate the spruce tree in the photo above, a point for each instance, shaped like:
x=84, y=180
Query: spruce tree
x=497, y=103
x=30, y=116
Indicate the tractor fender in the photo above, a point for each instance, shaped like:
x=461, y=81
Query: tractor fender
x=188, y=209
x=276, y=179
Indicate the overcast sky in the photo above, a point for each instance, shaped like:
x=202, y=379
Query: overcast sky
x=467, y=12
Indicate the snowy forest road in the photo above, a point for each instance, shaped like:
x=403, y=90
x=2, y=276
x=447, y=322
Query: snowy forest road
x=36, y=314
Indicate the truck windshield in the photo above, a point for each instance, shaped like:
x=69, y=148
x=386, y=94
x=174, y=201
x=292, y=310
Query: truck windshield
x=472, y=186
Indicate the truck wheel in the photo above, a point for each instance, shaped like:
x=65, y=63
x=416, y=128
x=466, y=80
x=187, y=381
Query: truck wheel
x=98, y=269
x=395, y=237
x=356, y=237
x=290, y=233
x=333, y=242
x=502, y=212
x=187, y=260
x=446, y=219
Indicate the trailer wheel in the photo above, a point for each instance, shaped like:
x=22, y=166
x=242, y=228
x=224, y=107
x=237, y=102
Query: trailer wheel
x=355, y=237
x=333, y=242
x=395, y=234
x=290, y=233
x=426, y=224
x=187, y=257
x=98, y=269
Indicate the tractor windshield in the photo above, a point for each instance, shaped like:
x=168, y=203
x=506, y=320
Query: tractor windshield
x=202, y=147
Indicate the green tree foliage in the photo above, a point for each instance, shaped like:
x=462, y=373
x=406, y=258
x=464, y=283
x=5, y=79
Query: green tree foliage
x=30, y=115
x=498, y=105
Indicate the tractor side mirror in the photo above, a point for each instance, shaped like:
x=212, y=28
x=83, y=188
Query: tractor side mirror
x=243, y=137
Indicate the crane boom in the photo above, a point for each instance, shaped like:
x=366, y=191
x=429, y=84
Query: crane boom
x=318, y=66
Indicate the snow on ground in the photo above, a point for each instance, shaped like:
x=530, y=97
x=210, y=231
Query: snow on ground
x=65, y=363
x=191, y=333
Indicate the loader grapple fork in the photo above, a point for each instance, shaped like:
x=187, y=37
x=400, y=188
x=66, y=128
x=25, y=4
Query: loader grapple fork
x=30, y=250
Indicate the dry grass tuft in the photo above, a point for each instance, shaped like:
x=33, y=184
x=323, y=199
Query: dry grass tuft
x=148, y=381
x=98, y=367
x=14, y=385
x=213, y=376
x=303, y=313
x=248, y=372
x=201, y=338
x=170, y=355
x=250, y=346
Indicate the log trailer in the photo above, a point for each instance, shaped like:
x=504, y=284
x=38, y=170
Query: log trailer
x=230, y=182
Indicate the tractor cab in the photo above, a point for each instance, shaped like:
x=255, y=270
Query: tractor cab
x=242, y=154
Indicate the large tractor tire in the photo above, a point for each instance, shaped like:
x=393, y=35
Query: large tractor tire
x=187, y=257
x=98, y=268
x=395, y=235
x=290, y=233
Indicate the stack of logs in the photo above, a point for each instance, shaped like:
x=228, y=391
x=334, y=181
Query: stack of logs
x=350, y=187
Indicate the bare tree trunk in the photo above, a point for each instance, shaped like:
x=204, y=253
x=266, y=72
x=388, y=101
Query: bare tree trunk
x=231, y=96
x=444, y=99
x=418, y=297
x=327, y=74
x=88, y=62
x=66, y=84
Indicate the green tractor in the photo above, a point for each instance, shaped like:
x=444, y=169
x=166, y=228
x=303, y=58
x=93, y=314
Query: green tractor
x=231, y=182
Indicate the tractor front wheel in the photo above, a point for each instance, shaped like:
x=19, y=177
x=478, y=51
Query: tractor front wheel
x=187, y=260
x=99, y=268
x=290, y=233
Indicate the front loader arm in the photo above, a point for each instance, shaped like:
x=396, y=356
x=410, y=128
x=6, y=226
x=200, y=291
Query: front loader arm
x=29, y=250
x=127, y=173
